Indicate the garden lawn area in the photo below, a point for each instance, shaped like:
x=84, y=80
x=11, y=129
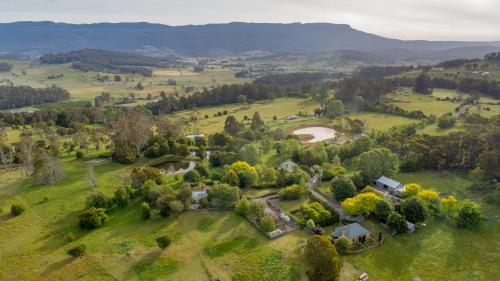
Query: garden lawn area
x=281, y=108
x=438, y=251
x=435, y=252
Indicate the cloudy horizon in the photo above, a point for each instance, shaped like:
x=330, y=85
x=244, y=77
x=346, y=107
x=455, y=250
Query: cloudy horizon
x=468, y=20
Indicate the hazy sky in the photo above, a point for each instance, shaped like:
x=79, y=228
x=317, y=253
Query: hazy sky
x=405, y=19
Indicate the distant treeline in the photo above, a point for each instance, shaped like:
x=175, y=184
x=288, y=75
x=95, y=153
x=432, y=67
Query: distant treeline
x=13, y=97
x=271, y=87
x=465, y=85
x=105, y=61
x=68, y=117
x=371, y=72
x=225, y=94
x=456, y=63
x=5, y=67
x=493, y=57
x=297, y=78
x=353, y=88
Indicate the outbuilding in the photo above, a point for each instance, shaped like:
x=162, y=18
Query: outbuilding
x=390, y=185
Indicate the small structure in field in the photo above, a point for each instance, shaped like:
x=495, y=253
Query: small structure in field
x=292, y=117
x=354, y=232
x=197, y=196
x=410, y=227
x=287, y=166
x=390, y=185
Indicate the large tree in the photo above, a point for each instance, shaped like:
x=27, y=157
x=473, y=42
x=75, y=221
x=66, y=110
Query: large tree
x=131, y=131
x=342, y=188
x=232, y=126
x=323, y=260
x=423, y=84
x=257, y=122
x=376, y=163
x=249, y=153
x=334, y=109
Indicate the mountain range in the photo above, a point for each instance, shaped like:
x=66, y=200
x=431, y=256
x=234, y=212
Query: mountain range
x=37, y=38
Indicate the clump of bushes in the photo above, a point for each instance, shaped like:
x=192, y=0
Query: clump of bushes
x=268, y=224
x=17, y=208
x=145, y=211
x=163, y=241
x=292, y=192
x=78, y=251
x=92, y=218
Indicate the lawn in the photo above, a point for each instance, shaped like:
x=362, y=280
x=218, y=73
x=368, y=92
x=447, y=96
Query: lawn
x=438, y=251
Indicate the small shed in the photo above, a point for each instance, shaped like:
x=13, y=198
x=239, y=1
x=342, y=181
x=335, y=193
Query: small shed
x=353, y=232
x=196, y=196
x=410, y=227
x=385, y=183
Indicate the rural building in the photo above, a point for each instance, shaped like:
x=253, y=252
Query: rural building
x=390, y=185
x=292, y=117
x=287, y=166
x=196, y=196
x=353, y=232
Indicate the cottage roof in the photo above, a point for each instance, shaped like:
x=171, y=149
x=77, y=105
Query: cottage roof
x=390, y=182
x=350, y=231
x=197, y=195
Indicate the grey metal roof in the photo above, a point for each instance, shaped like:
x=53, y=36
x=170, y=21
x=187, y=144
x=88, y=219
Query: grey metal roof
x=350, y=231
x=389, y=182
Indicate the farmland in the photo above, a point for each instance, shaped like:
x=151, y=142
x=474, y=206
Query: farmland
x=84, y=86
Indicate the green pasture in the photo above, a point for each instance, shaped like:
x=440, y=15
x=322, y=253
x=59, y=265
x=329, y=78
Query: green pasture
x=84, y=86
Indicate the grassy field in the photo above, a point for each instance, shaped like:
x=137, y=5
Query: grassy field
x=205, y=244
x=427, y=104
x=84, y=86
x=281, y=108
x=438, y=251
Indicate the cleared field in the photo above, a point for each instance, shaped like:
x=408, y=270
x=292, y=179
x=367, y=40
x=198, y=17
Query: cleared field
x=486, y=110
x=84, y=86
x=281, y=108
x=427, y=104
x=434, y=130
x=379, y=121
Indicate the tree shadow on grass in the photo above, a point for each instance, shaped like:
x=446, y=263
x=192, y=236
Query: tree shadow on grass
x=58, y=265
x=148, y=258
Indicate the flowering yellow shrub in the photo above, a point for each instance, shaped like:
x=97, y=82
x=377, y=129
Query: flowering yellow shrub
x=411, y=189
x=427, y=194
x=363, y=203
x=448, y=204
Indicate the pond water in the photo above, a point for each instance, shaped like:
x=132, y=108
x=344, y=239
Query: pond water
x=175, y=167
x=318, y=133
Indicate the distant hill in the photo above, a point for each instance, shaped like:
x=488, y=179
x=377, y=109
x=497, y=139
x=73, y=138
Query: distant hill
x=37, y=38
